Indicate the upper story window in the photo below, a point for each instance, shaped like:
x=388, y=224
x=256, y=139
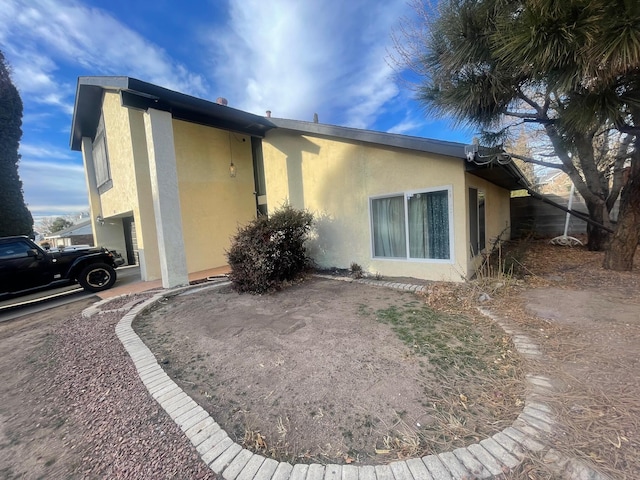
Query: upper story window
x=101, y=158
x=413, y=225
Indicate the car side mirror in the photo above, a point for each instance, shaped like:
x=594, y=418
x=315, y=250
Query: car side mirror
x=32, y=252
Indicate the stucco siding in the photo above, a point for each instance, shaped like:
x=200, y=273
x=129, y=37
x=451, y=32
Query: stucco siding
x=123, y=195
x=119, y=200
x=213, y=203
x=335, y=180
x=497, y=215
x=130, y=193
x=143, y=213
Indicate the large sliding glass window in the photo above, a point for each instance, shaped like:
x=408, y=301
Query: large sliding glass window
x=414, y=225
x=389, y=231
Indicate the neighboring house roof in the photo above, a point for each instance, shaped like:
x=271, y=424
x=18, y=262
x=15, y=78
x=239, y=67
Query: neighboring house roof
x=550, y=176
x=80, y=228
x=142, y=95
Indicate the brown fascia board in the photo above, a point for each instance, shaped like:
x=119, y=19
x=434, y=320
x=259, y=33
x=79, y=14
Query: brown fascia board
x=507, y=176
x=440, y=147
x=138, y=94
x=87, y=105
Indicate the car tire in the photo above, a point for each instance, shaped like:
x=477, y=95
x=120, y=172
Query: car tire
x=97, y=277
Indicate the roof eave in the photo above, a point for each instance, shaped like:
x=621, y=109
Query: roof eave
x=138, y=94
x=440, y=147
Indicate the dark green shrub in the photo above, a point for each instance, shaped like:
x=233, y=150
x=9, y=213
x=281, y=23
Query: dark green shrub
x=270, y=251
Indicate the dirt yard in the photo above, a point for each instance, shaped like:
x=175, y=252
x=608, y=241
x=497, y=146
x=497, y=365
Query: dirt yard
x=587, y=320
x=332, y=371
x=72, y=407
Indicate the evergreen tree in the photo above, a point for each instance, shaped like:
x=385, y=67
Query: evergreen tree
x=15, y=218
x=570, y=70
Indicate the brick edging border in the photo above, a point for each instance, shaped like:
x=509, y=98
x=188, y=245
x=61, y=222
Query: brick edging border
x=487, y=459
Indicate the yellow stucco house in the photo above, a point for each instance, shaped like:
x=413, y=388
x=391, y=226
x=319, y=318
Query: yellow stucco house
x=171, y=178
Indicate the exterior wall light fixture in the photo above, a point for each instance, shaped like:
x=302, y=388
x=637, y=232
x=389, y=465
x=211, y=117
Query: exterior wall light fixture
x=100, y=220
x=232, y=167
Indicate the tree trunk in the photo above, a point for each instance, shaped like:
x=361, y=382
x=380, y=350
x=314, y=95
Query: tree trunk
x=624, y=242
x=597, y=237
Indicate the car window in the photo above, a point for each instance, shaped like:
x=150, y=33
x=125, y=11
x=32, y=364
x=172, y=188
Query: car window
x=15, y=249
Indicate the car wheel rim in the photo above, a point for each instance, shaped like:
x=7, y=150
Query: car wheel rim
x=98, y=278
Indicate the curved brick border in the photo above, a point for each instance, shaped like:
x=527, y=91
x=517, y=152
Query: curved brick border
x=484, y=460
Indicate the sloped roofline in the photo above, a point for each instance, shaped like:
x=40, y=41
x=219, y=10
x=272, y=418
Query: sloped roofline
x=141, y=95
x=66, y=231
x=441, y=147
x=507, y=175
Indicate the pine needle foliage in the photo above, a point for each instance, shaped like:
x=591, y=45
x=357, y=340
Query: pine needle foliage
x=15, y=218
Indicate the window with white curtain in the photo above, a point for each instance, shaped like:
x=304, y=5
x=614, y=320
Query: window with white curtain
x=414, y=225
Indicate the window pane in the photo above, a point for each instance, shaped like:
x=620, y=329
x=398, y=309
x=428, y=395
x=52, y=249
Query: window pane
x=481, y=222
x=100, y=161
x=389, y=238
x=14, y=250
x=476, y=220
x=418, y=227
x=101, y=155
x=429, y=225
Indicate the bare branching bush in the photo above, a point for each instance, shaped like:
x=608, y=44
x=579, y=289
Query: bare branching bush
x=270, y=251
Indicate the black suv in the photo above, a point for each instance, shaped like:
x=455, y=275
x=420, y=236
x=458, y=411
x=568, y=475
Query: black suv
x=25, y=267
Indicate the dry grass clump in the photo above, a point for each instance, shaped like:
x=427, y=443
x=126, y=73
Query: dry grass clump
x=598, y=415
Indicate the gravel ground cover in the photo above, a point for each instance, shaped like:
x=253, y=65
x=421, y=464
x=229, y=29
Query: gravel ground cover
x=73, y=406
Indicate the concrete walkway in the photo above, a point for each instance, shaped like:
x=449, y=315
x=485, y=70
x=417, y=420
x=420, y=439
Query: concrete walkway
x=140, y=286
x=490, y=458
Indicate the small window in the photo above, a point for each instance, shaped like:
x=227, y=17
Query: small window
x=477, y=228
x=101, y=159
x=412, y=226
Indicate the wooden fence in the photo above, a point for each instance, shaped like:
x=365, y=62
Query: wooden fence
x=529, y=215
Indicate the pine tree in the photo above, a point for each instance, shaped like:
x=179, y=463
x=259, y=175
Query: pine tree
x=570, y=70
x=15, y=218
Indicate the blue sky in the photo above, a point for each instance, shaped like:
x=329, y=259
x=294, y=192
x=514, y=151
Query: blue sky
x=293, y=57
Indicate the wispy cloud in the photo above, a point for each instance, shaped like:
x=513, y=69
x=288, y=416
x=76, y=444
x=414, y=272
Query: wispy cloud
x=50, y=152
x=41, y=35
x=406, y=126
x=297, y=58
x=53, y=187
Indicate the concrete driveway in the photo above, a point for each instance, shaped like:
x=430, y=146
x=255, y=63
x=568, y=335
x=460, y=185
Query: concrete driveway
x=45, y=299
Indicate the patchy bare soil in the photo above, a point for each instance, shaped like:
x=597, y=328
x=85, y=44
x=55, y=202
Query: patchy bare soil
x=587, y=320
x=72, y=407
x=333, y=371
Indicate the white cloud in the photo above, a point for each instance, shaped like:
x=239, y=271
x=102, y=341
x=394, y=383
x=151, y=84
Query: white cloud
x=297, y=58
x=39, y=36
x=53, y=187
x=28, y=150
x=407, y=126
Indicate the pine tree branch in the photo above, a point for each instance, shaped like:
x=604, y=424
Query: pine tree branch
x=524, y=158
